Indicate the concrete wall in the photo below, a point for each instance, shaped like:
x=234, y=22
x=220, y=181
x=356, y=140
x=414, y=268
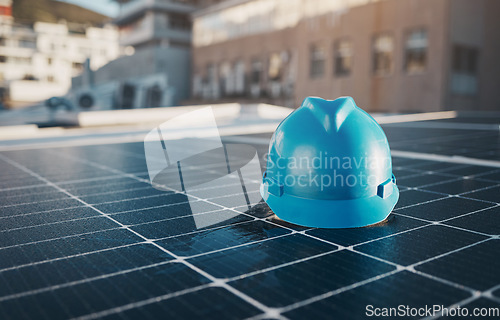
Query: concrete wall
x=489, y=69
x=142, y=69
x=395, y=92
x=476, y=24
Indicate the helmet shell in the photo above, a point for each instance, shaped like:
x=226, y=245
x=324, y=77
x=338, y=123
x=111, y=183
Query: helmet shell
x=329, y=165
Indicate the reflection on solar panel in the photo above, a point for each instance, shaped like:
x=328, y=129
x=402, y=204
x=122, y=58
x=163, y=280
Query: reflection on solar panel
x=84, y=234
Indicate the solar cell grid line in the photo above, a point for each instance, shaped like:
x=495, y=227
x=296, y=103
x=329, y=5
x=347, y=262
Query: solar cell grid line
x=147, y=181
x=250, y=242
x=208, y=276
x=485, y=177
x=485, y=221
x=34, y=191
x=452, y=226
x=73, y=283
x=432, y=179
x=134, y=305
x=92, y=274
x=435, y=138
x=449, y=195
x=59, y=238
x=444, y=208
x=420, y=171
x=46, y=224
x=105, y=178
x=44, y=186
x=464, y=196
x=472, y=272
x=37, y=212
x=135, y=177
x=62, y=197
x=335, y=292
x=359, y=284
x=480, y=189
x=391, y=287
x=423, y=202
x=490, y=292
x=464, y=186
x=69, y=256
x=399, y=269
x=68, y=220
x=174, y=218
x=411, y=267
x=489, y=237
x=95, y=251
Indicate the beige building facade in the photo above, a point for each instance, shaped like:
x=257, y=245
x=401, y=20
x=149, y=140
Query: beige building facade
x=39, y=59
x=390, y=55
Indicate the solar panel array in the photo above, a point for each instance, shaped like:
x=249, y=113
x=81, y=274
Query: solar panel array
x=84, y=235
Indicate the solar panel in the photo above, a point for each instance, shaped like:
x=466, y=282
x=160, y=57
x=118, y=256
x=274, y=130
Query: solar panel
x=83, y=234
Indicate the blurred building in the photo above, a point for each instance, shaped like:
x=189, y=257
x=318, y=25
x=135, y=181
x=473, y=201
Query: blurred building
x=38, y=61
x=390, y=55
x=157, y=70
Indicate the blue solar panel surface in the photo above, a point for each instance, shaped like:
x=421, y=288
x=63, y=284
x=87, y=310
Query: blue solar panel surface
x=83, y=234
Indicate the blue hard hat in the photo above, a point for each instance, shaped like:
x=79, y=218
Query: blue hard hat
x=329, y=166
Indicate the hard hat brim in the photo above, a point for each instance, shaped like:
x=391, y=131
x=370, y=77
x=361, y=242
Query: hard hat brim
x=352, y=213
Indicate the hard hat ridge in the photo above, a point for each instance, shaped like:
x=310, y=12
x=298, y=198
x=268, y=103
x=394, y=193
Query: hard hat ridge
x=330, y=113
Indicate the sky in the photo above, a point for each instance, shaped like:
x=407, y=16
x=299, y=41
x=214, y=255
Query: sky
x=106, y=7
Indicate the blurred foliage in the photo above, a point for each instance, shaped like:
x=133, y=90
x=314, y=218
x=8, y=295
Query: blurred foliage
x=30, y=11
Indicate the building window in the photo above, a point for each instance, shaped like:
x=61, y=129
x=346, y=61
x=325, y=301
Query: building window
x=416, y=52
x=464, y=70
x=275, y=67
x=343, y=57
x=226, y=77
x=29, y=77
x=317, y=56
x=50, y=78
x=77, y=66
x=21, y=60
x=49, y=61
x=383, y=55
x=255, y=78
x=465, y=59
x=239, y=77
x=211, y=73
x=25, y=43
x=256, y=72
x=3, y=59
x=212, y=87
x=179, y=21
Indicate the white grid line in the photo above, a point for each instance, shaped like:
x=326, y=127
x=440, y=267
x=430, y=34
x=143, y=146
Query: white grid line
x=402, y=232
x=238, y=293
x=282, y=226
